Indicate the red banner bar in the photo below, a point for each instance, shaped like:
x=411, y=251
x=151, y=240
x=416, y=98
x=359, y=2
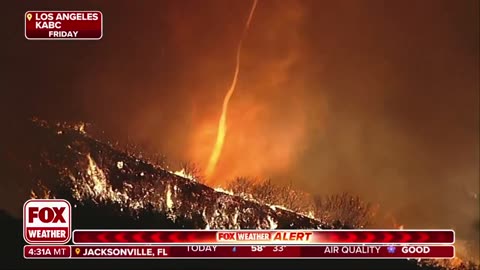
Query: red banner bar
x=236, y=252
x=248, y=237
x=63, y=25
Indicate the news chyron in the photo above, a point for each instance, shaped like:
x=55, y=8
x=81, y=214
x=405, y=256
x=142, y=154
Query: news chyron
x=63, y=25
x=47, y=221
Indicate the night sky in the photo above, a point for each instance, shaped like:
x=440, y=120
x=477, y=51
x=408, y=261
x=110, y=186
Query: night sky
x=377, y=98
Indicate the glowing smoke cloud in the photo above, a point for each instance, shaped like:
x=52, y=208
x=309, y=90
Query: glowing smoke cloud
x=222, y=123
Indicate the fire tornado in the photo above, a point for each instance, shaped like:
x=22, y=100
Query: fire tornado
x=222, y=122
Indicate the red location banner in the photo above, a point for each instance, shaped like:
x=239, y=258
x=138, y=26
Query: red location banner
x=63, y=25
x=254, y=252
x=277, y=237
x=46, y=252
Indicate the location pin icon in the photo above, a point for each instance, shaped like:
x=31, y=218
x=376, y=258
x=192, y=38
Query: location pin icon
x=29, y=16
x=77, y=251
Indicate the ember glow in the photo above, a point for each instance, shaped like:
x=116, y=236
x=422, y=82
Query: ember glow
x=222, y=123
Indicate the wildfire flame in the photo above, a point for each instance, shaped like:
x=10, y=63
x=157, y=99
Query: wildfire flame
x=184, y=174
x=222, y=123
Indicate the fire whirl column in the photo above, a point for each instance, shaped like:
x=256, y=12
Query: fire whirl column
x=63, y=25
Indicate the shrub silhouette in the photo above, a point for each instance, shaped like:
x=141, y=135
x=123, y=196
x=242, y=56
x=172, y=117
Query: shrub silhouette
x=344, y=210
x=341, y=210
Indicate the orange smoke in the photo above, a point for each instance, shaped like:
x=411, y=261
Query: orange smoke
x=222, y=123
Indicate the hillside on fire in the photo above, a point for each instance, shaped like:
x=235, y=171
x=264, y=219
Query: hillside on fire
x=111, y=188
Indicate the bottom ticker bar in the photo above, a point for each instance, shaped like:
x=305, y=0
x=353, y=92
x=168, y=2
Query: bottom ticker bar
x=236, y=252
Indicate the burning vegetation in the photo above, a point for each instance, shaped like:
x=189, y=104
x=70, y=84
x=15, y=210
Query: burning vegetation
x=92, y=172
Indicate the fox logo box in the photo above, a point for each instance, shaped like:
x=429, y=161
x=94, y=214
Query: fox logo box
x=47, y=221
